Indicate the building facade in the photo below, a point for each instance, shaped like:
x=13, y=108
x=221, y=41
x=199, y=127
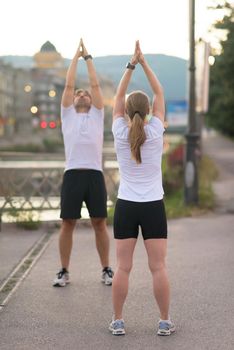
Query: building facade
x=30, y=98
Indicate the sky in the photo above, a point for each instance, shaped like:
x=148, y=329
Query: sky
x=108, y=27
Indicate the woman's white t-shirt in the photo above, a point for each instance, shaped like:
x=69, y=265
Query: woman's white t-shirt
x=83, y=138
x=140, y=182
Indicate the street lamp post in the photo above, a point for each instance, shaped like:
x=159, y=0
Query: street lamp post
x=192, y=135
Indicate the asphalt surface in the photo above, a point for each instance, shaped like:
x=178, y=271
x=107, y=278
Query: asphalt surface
x=200, y=264
x=14, y=244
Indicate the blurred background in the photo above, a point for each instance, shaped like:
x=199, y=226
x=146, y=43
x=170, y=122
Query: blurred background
x=189, y=44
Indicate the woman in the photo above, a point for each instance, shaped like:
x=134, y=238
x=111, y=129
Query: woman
x=139, y=147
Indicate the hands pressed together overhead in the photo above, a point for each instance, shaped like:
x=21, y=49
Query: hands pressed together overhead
x=138, y=56
x=81, y=51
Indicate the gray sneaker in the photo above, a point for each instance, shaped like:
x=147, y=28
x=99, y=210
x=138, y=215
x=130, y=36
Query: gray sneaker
x=107, y=276
x=165, y=328
x=117, y=327
x=62, y=278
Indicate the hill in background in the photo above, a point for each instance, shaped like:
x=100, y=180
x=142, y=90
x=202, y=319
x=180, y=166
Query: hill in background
x=171, y=71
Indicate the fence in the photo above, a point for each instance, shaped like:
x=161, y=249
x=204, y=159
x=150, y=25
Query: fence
x=35, y=185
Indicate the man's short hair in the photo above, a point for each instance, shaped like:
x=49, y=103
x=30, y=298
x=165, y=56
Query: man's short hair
x=77, y=91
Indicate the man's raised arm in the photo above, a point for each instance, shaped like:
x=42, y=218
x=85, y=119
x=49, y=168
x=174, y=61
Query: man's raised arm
x=96, y=93
x=68, y=92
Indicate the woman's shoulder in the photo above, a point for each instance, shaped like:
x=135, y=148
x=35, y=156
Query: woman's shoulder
x=119, y=127
x=155, y=126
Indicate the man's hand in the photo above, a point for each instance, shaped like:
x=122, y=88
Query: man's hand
x=79, y=50
x=84, y=50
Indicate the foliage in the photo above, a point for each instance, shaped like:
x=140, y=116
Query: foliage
x=29, y=147
x=47, y=146
x=110, y=216
x=26, y=219
x=174, y=202
x=172, y=169
x=53, y=145
x=221, y=111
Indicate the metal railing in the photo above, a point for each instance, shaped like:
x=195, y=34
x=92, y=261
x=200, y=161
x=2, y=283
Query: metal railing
x=36, y=185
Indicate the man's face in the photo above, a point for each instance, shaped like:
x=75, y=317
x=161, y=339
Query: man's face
x=82, y=99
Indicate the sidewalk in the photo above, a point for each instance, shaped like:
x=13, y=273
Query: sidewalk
x=200, y=263
x=221, y=150
x=13, y=246
x=17, y=243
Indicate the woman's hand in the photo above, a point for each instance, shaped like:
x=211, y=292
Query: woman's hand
x=140, y=56
x=134, y=59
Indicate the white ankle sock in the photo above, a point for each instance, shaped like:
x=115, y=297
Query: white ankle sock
x=168, y=321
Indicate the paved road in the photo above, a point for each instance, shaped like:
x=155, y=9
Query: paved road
x=14, y=244
x=200, y=263
x=221, y=150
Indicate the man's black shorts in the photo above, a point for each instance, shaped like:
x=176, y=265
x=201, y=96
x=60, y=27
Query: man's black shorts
x=150, y=216
x=83, y=186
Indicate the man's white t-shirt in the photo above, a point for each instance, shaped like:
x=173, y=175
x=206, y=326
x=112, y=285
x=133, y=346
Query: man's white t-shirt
x=140, y=182
x=83, y=138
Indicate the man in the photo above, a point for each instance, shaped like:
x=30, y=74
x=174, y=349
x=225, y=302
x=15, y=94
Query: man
x=82, y=115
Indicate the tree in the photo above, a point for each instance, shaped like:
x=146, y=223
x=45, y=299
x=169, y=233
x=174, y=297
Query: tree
x=221, y=110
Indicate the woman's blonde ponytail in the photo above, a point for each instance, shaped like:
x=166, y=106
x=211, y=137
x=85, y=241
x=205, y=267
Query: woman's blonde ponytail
x=137, y=107
x=136, y=137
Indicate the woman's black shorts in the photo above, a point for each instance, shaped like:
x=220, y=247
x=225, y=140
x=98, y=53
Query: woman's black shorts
x=150, y=216
x=83, y=186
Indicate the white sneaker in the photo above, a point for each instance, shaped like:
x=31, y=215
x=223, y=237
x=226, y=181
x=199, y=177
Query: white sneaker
x=165, y=327
x=62, y=278
x=107, y=276
x=117, y=327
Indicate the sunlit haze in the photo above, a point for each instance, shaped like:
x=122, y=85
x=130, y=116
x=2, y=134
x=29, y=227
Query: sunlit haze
x=107, y=27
